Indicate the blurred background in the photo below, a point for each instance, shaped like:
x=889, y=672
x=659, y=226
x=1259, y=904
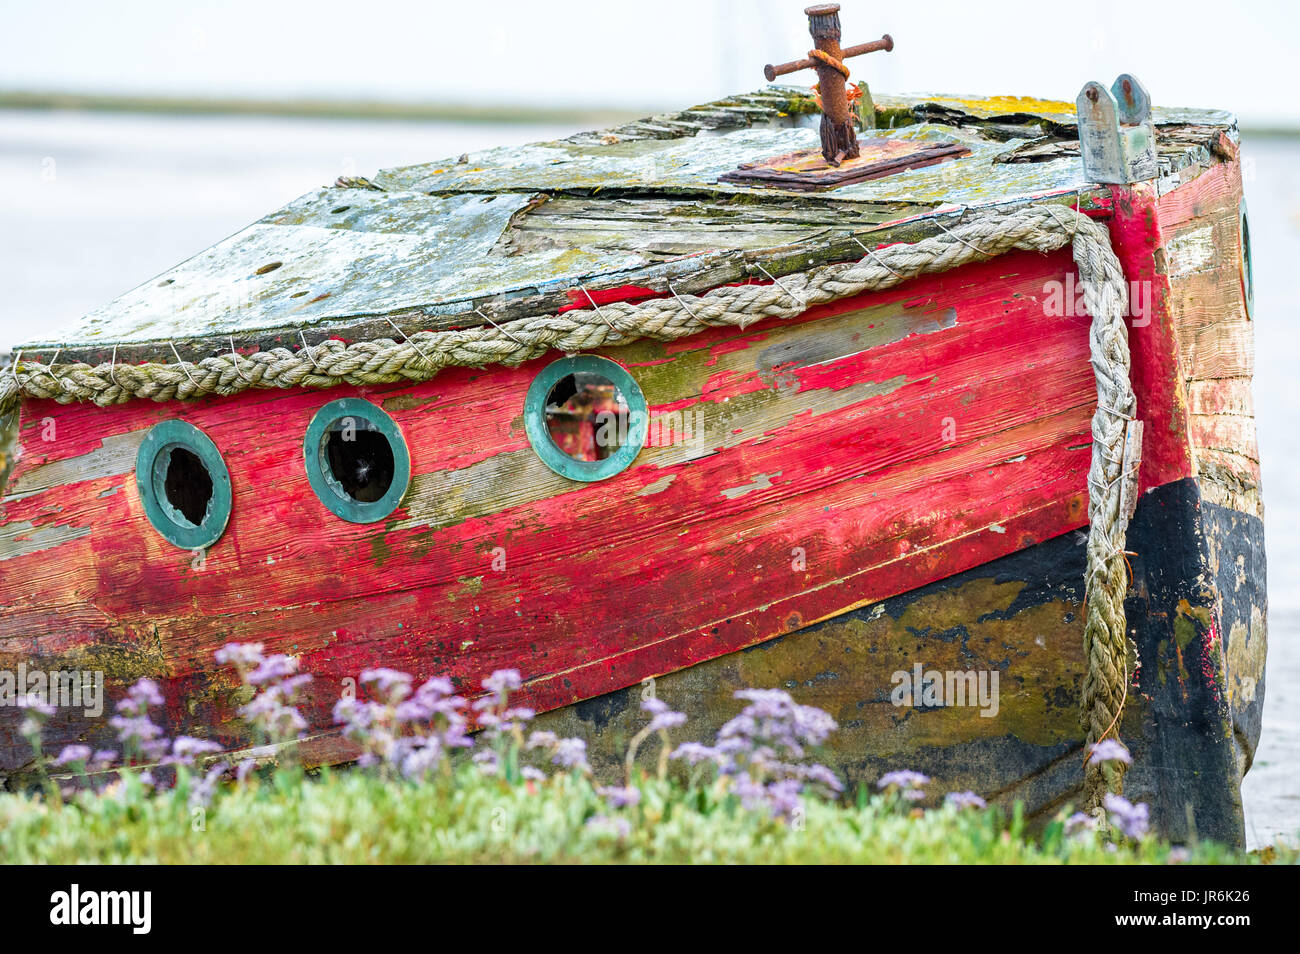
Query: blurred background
x=135, y=134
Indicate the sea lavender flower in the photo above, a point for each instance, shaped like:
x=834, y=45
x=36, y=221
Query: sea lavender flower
x=571, y=754
x=185, y=749
x=1079, y=824
x=515, y=719
x=136, y=731
x=663, y=721
x=818, y=774
x=140, y=698
x=101, y=760
x=503, y=725
x=906, y=783
x=404, y=730
x=965, y=800
x=243, y=656
x=542, y=740
x=389, y=686
x=75, y=755
x=1131, y=820
x=205, y=786
x=273, y=712
x=273, y=669
x=604, y=825
x=503, y=681
x=35, y=713
x=761, y=751
x=35, y=705
x=619, y=796
x=419, y=756
x=1108, y=750
x=782, y=797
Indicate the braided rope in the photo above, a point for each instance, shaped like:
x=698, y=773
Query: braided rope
x=423, y=354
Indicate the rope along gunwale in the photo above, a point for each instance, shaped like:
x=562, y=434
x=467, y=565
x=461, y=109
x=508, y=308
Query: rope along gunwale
x=1040, y=228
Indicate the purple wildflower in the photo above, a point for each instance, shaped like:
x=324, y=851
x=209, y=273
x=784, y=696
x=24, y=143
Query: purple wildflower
x=619, y=796
x=782, y=797
x=542, y=740
x=36, y=710
x=206, y=786
x=663, y=721
x=906, y=783
x=571, y=754
x=1108, y=750
x=36, y=706
x=243, y=656
x=965, y=800
x=140, y=697
x=1079, y=824
x=503, y=681
x=102, y=759
x=819, y=774
x=695, y=752
x=185, y=749
x=1131, y=820
x=273, y=669
x=139, y=733
x=388, y=685
x=654, y=706
x=604, y=825
x=73, y=755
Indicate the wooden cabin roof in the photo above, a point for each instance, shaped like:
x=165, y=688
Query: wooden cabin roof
x=519, y=230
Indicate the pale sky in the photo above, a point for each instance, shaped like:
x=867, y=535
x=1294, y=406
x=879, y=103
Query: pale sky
x=662, y=54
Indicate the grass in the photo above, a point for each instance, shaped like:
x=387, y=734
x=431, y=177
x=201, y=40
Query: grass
x=357, y=817
x=431, y=793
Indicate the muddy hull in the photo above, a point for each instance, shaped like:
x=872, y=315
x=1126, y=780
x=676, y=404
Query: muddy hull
x=1197, y=610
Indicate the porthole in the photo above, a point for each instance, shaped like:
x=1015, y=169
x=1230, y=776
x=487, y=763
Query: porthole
x=357, y=460
x=585, y=417
x=1247, y=266
x=184, y=485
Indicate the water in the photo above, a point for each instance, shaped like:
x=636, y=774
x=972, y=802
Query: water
x=94, y=204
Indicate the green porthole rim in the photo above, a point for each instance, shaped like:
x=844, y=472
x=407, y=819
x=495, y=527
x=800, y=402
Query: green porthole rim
x=327, y=489
x=540, y=437
x=151, y=463
x=1247, y=264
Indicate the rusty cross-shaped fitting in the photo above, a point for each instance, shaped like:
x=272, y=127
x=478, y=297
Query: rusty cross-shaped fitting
x=839, y=141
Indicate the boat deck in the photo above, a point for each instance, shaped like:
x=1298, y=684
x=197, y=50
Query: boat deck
x=619, y=214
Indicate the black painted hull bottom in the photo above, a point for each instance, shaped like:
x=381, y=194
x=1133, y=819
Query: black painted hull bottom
x=1196, y=612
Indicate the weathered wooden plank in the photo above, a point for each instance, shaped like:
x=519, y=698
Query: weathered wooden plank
x=1221, y=396
x=1203, y=255
x=690, y=274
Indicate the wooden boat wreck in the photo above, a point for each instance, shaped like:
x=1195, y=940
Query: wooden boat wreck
x=706, y=399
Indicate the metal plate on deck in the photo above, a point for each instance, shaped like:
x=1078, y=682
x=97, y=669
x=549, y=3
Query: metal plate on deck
x=808, y=170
